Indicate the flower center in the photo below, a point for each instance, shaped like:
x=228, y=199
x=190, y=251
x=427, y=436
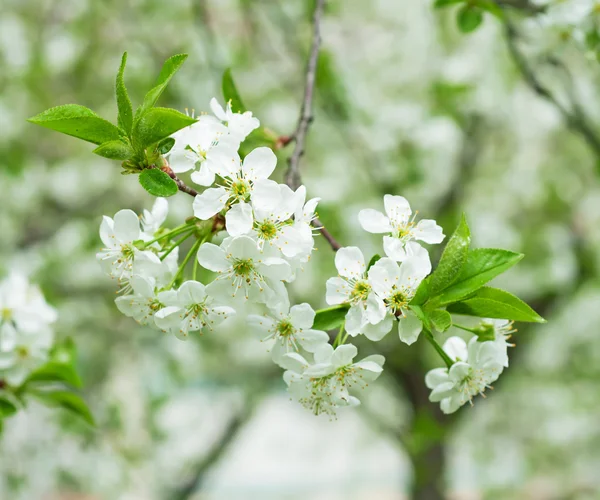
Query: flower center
x=155, y=305
x=285, y=328
x=360, y=291
x=398, y=300
x=266, y=230
x=240, y=189
x=243, y=267
x=128, y=251
x=22, y=352
x=6, y=314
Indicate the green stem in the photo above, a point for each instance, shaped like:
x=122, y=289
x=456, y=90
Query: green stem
x=447, y=359
x=192, y=252
x=338, y=339
x=176, y=244
x=195, y=270
x=465, y=328
x=333, y=308
x=168, y=234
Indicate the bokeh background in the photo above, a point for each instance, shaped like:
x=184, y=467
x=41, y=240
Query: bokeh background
x=405, y=104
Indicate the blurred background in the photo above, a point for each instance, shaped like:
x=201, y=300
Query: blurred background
x=502, y=124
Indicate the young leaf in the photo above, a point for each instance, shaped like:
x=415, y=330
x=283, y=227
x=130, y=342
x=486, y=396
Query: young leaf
x=169, y=68
x=422, y=293
x=440, y=319
x=157, y=182
x=67, y=400
x=329, y=319
x=7, y=408
x=157, y=124
x=55, y=372
x=77, y=121
x=125, y=116
x=469, y=18
x=420, y=313
x=230, y=92
x=483, y=264
x=114, y=150
x=373, y=260
x=453, y=259
x=490, y=302
x=165, y=145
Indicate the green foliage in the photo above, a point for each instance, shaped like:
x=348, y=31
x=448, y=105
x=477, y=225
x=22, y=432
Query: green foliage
x=331, y=318
x=169, y=68
x=452, y=260
x=64, y=399
x=77, y=121
x=257, y=138
x=373, y=260
x=440, y=319
x=481, y=266
x=56, y=372
x=422, y=315
x=446, y=3
x=157, y=124
x=165, y=145
x=125, y=115
x=490, y=302
x=114, y=150
x=7, y=407
x=468, y=18
x=230, y=92
x=157, y=182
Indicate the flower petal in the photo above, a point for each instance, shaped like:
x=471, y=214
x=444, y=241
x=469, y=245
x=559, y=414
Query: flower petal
x=409, y=328
x=350, y=262
x=259, y=164
x=374, y=221
x=126, y=226
x=428, y=231
x=238, y=219
x=213, y=258
x=302, y=315
x=397, y=208
x=210, y=202
x=338, y=291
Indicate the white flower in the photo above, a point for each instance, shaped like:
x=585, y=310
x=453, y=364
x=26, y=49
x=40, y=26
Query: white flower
x=190, y=309
x=144, y=302
x=291, y=329
x=240, y=179
x=27, y=352
x=239, y=125
x=325, y=386
x=242, y=266
x=193, y=145
x=501, y=330
x=399, y=225
x=23, y=308
x=476, y=366
x=153, y=219
x=120, y=254
x=304, y=215
x=353, y=287
x=395, y=286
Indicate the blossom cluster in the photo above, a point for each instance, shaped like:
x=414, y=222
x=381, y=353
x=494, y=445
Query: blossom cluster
x=476, y=365
x=26, y=334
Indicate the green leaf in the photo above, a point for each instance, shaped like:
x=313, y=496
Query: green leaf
x=482, y=265
x=469, y=18
x=373, y=260
x=492, y=7
x=169, y=68
x=420, y=313
x=490, y=302
x=114, y=150
x=440, y=319
x=64, y=352
x=257, y=138
x=125, y=115
x=55, y=372
x=230, y=93
x=453, y=259
x=445, y=3
x=7, y=407
x=157, y=124
x=331, y=318
x=77, y=121
x=422, y=293
x=157, y=182
x=67, y=400
x=165, y=145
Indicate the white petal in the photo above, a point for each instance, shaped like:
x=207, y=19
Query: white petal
x=350, y=262
x=243, y=247
x=343, y=355
x=169, y=318
x=261, y=325
x=374, y=221
x=397, y=208
x=323, y=354
x=223, y=160
x=276, y=269
x=107, y=233
x=355, y=319
x=210, y=202
x=265, y=196
x=302, y=315
x=212, y=257
x=456, y=348
x=294, y=362
x=203, y=177
x=428, y=231
x=409, y=328
x=458, y=371
x=218, y=110
x=126, y=226
x=338, y=291
x=238, y=219
x=394, y=248
x=441, y=391
x=375, y=309
x=311, y=340
x=192, y=292
x=435, y=377
x=259, y=164
x=376, y=332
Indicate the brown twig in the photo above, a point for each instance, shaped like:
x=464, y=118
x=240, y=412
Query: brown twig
x=292, y=176
x=182, y=186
